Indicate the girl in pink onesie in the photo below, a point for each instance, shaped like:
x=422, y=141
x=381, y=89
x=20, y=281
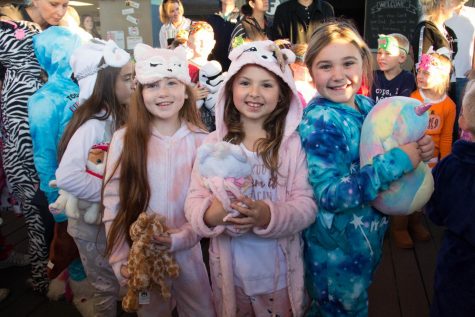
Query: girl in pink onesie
x=256, y=259
x=149, y=169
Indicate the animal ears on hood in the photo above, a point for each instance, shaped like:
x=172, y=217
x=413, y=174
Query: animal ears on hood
x=115, y=56
x=261, y=51
x=143, y=52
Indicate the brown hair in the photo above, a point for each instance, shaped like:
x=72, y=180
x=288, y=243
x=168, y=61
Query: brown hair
x=163, y=10
x=328, y=32
x=103, y=98
x=134, y=187
x=274, y=125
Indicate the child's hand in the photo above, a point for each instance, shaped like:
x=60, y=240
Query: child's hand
x=413, y=151
x=256, y=213
x=124, y=271
x=200, y=92
x=215, y=214
x=164, y=241
x=426, y=145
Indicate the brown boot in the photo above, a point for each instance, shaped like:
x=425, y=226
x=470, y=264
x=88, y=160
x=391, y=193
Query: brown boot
x=399, y=234
x=63, y=250
x=417, y=229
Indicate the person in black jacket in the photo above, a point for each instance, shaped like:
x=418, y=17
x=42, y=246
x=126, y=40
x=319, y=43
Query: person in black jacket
x=295, y=20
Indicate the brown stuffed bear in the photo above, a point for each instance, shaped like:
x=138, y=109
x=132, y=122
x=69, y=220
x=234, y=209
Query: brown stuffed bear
x=149, y=265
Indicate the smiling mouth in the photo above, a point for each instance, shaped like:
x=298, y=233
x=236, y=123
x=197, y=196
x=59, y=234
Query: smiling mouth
x=340, y=87
x=164, y=104
x=254, y=105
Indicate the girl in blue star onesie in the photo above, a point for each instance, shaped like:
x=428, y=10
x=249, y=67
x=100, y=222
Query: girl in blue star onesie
x=343, y=246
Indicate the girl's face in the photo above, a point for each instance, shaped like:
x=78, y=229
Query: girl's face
x=260, y=5
x=51, y=11
x=124, y=84
x=173, y=13
x=337, y=72
x=428, y=80
x=88, y=23
x=164, y=99
x=255, y=93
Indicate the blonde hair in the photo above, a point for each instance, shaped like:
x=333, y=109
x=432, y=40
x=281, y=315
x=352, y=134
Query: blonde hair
x=402, y=41
x=444, y=63
x=468, y=105
x=163, y=10
x=331, y=31
x=431, y=7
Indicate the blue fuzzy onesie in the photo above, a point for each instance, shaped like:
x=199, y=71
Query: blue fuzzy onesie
x=52, y=106
x=343, y=246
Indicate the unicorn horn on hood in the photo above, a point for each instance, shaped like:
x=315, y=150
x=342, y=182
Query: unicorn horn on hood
x=422, y=108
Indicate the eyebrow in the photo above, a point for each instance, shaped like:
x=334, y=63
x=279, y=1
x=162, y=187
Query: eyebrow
x=346, y=58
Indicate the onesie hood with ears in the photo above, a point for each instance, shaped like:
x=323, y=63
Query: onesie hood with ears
x=267, y=55
x=53, y=48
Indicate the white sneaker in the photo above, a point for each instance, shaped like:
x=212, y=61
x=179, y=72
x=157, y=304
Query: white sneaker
x=15, y=259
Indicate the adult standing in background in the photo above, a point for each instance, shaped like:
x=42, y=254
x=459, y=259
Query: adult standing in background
x=463, y=24
x=87, y=23
x=254, y=25
x=42, y=12
x=296, y=20
x=431, y=30
x=223, y=23
x=173, y=19
x=22, y=79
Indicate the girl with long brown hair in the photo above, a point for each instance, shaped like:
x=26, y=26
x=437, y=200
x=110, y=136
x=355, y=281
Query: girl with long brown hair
x=256, y=259
x=80, y=149
x=148, y=170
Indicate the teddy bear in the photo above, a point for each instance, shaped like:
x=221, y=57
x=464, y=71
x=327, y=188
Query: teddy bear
x=148, y=264
x=211, y=76
x=392, y=122
x=73, y=206
x=226, y=172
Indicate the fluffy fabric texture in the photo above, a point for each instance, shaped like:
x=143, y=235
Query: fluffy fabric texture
x=393, y=122
x=149, y=264
x=153, y=64
x=52, y=106
x=85, y=63
x=71, y=205
x=225, y=172
x=212, y=77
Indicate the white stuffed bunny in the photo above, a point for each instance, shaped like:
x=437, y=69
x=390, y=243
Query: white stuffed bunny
x=226, y=172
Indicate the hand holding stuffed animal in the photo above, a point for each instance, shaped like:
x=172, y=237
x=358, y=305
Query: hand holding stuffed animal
x=393, y=122
x=73, y=206
x=225, y=172
x=148, y=265
x=212, y=77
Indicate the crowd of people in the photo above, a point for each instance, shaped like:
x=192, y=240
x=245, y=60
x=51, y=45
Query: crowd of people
x=84, y=121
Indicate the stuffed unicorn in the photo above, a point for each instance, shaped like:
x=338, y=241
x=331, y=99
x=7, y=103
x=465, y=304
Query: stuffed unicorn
x=225, y=172
x=393, y=122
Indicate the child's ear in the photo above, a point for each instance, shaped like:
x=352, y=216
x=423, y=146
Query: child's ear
x=402, y=58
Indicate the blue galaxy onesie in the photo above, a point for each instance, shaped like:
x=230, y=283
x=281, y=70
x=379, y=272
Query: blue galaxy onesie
x=343, y=246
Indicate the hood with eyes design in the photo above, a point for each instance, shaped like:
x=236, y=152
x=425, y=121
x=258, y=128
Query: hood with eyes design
x=267, y=55
x=153, y=64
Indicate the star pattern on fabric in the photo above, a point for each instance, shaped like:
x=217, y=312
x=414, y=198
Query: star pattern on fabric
x=345, y=179
x=357, y=221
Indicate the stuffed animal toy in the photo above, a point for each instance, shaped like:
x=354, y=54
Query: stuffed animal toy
x=80, y=293
x=73, y=206
x=393, y=122
x=225, y=172
x=148, y=264
x=212, y=77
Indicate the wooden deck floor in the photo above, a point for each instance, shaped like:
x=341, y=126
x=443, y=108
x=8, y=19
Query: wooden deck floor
x=402, y=284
